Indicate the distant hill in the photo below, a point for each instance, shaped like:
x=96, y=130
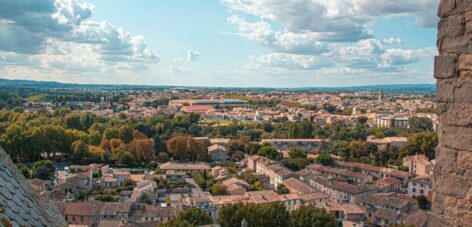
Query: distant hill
x=401, y=88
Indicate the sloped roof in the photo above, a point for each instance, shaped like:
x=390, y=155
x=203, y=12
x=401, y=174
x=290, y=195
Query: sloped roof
x=19, y=205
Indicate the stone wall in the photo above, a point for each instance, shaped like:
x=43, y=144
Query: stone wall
x=452, y=199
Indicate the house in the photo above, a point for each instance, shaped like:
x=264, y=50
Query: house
x=143, y=213
x=341, y=192
x=345, y=212
x=419, y=165
x=386, y=208
x=76, y=183
x=115, y=211
x=114, y=179
x=197, y=109
x=329, y=172
x=277, y=174
x=219, y=141
x=184, y=167
x=39, y=185
x=420, y=186
x=173, y=176
x=297, y=186
x=218, y=153
x=83, y=213
x=236, y=186
x=397, y=142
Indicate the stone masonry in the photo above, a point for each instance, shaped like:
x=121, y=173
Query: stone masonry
x=452, y=198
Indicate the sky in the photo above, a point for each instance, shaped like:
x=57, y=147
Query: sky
x=225, y=43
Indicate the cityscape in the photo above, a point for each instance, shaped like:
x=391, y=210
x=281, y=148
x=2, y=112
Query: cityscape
x=229, y=113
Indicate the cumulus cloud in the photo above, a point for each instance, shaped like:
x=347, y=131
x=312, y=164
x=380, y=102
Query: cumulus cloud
x=392, y=41
x=287, y=42
x=192, y=55
x=291, y=61
x=318, y=34
x=35, y=26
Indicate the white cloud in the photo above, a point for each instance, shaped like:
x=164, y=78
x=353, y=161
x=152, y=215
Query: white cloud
x=287, y=42
x=36, y=27
x=192, y=55
x=392, y=41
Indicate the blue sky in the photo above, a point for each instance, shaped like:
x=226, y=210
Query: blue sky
x=271, y=43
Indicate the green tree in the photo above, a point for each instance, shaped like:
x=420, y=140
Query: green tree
x=282, y=189
x=218, y=189
x=193, y=216
x=79, y=151
x=126, y=133
x=324, y=159
x=125, y=158
x=310, y=215
x=24, y=170
x=420, y=143
x=422, y=201
x=296, y=152
x=421, y=124
x=111, y=133
x=43, y=169
x=268, y=151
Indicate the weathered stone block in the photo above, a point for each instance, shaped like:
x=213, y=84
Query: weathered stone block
x=453, y=186
x=445, y=66
x=446, y=8
x=452, y=7
x=446, y=160
x=463, y=91
x=456, y=137
x=455, y=45
x=468, y=22
x=457, y=115
x=464, y=160
x=452, y=26
x=465, y=62
x=445, y=90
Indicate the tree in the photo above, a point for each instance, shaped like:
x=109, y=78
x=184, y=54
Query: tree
x=142, y=149
x=422, y=201
x=15, y=141
x=420, y=143
x=421, y=124
x=111, y=133
x=267, y=215
x=310, y=215
x=237, y=156
x=325, y=159
x=125, y=158
x=282, y=189
x=163, y=157
x=296, y=152
x=236, y=145
x=185, y=148
x=218, y=189
x=126, y=133
x=24, y=170
x=43, y=169
x=268, y=151
x=79, y=151
x=192, y=217
x=72, y=121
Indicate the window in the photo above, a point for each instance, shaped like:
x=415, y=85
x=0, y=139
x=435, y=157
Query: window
x=414, y=189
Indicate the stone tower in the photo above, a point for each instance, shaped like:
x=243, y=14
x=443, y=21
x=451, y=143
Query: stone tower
x=19, y=205
x=452, y=199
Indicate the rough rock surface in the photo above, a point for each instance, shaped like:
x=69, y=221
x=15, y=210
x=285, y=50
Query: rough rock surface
x=19, y=205
x=452, y=180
